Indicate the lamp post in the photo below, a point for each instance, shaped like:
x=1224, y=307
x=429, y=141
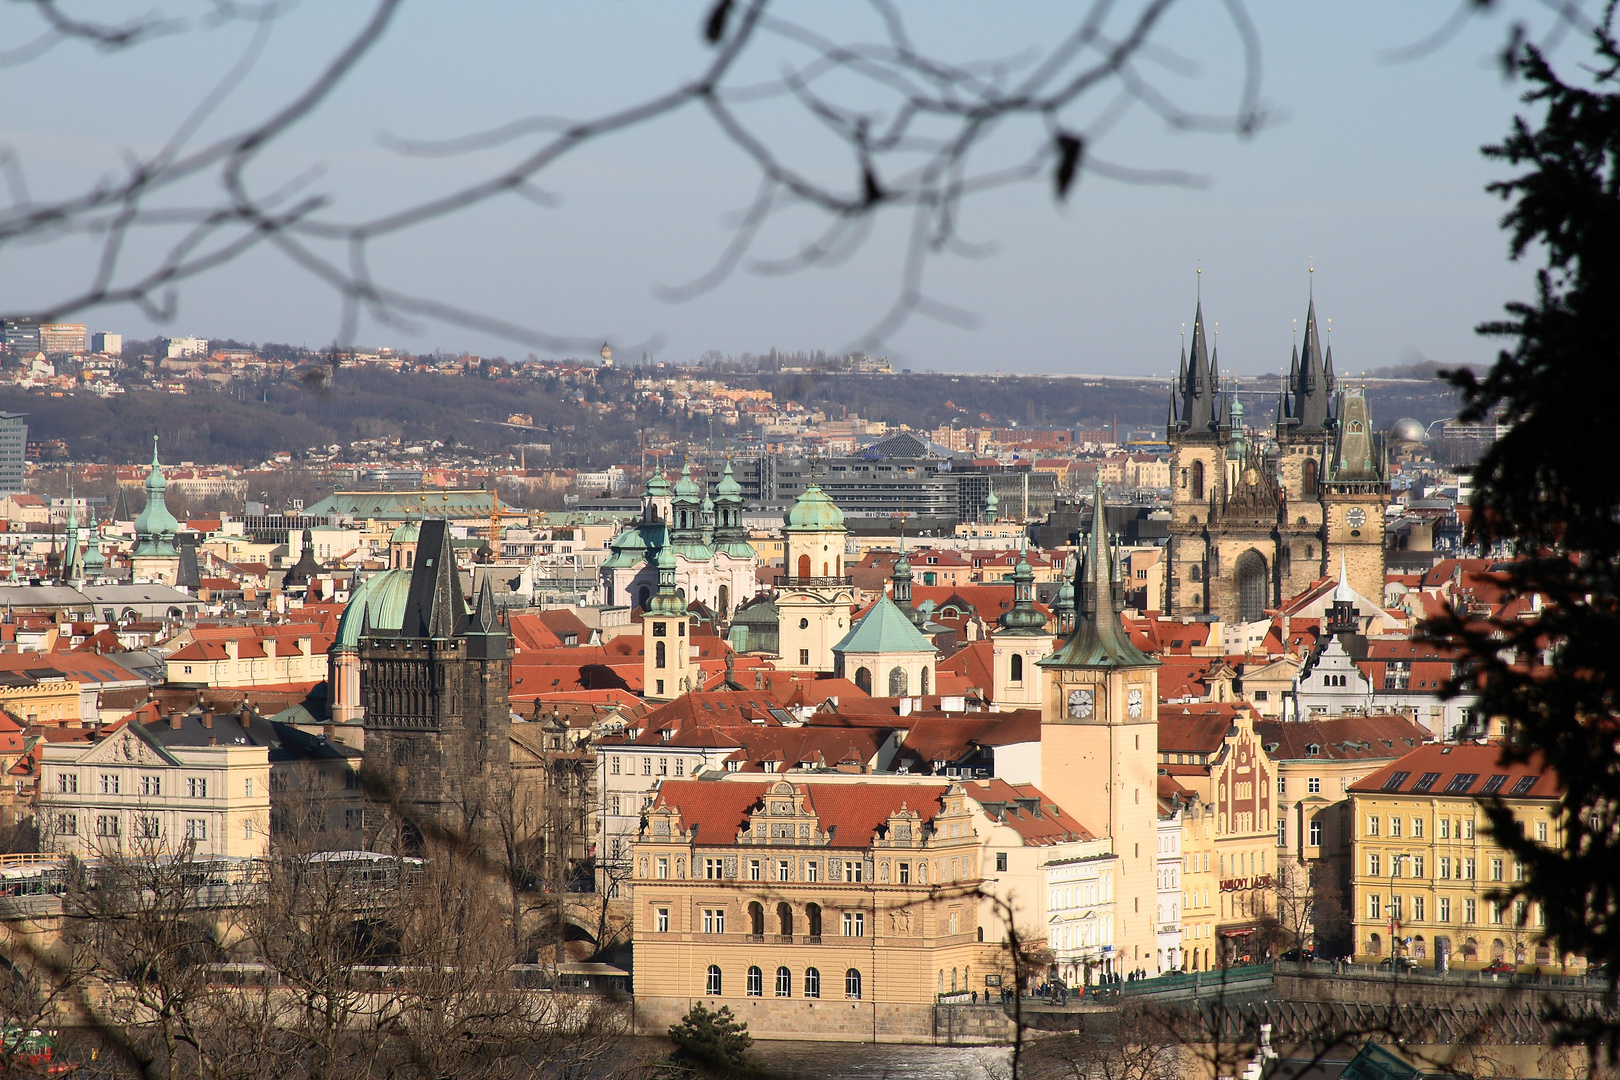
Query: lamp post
x=1394, y=944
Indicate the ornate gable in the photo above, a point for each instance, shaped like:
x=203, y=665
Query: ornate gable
x=125, y=747
x=784, y=814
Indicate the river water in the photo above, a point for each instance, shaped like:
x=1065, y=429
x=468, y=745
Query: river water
x=855, y=1061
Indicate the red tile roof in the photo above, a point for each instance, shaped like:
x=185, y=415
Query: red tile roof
x=1340, y=738
x=1456, y=770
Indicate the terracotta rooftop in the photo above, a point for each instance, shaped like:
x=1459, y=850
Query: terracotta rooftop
x=1453, y=771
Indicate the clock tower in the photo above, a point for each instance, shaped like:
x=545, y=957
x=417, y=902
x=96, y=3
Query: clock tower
x=1355, y=491
x=1099, y=740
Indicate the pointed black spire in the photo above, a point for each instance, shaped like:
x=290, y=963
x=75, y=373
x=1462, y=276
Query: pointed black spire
x=434, y=607
x=1197, y=384
x=1311, y=387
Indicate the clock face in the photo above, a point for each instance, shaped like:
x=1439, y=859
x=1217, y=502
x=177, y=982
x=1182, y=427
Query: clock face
x=1133, y=703
x=1355, y=517
x=1080, y=704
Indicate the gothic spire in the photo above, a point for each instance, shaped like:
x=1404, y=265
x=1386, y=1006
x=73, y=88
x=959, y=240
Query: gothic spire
x=1198, y=385
x=1313, y=383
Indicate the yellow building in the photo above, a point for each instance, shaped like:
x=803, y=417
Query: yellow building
x=1425, y=867
x=834, y=910
x=1212, y=750
x=52, y=702
x=1200, y=882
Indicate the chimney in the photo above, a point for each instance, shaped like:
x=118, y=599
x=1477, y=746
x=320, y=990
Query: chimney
x=208, y=722
x=245, y=717
x=174, y=719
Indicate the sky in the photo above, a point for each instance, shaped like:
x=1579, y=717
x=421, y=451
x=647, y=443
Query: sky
x=1366, y=170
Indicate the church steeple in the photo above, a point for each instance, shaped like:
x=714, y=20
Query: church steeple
x=1197, y=383
x=1022, y=618
x=1312, y=381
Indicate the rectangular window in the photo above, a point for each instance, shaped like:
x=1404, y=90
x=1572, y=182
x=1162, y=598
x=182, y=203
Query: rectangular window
x=1468, y=829
x=1282, y=831
x=1313, y=785
x=753, y=870
x=1426, y=781
x=680, y=766
x=1417, y=828
x=196, y=828
x=812, y=870
x=197, y=787
x=1372, y=906
x=247, y=828
x=1372, y=824
x=613, y=766
x=1417, y=909
x=153, y=785
x=1496, y=912
x=614, y=805
x=107, y=825
x=714, y=920
x=1316, y=834
x=1395, y=907
x=1394, y=825
x=804, y=657
x=1282, y=781
x=1470, y=911
x=1466, y=869
x=782, y=869
x=1373, y=864
x=67, y=783
x=1496, y=869
x=1001, y=862
x=905, y=873
x=1417, y=866
x=663, y=766
x=712, y=868
x=67, y=824
x=663, y=920
x=852, y=870
x=1445, y=828
x=1541, y=831
x=109, y=783
x=146, y=827
x=1444, y=868
x=1443, y=906
x=663, y=866
x=646, y=766
x=854, y=924
x=1460, y=783
x=354, y=819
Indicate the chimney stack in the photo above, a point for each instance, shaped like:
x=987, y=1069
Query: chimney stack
x=174, y=719
x=208, y=721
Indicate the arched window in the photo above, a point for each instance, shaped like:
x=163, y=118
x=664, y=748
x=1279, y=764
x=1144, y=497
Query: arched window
x=1307, y=481
x=852, y=983
x=713, y=983
x=725, y=601
x=1196, y=572
x=1015, y=669
x=923, y=682
x=658, y=655
x=1198, y=479
x=645, y=592
x=812, y=920
x=804, y=566
x=784, y=982
x=1251, y=586
x=812, y=983
x=756, y=982
x=784, y=920
x=1498, y=950
x=1375, y=944
x=756, y=919
x=897, y=682
x=863, y=679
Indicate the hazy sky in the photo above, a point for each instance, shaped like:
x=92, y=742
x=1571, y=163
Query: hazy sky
x=1370, y=168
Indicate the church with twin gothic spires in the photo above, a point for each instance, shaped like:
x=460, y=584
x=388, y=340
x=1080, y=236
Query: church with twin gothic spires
x=1257, y=516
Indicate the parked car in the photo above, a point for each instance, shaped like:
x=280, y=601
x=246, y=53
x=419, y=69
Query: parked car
x=1501, y=967
x=1402, y=963
x=1294, y=956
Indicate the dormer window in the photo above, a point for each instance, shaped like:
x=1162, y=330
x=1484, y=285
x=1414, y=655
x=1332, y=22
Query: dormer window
x=1313, y=750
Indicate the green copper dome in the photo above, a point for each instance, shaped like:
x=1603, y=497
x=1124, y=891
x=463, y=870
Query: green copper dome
x=406, y=533
x=379, y=602
x=657, y=486
x=728, y=486
x=815, y=512
x=686, y=487
x=155, y=526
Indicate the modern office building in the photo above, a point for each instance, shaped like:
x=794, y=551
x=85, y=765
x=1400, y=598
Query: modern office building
x=107, y=344
x=13, y=450
x=21, y=336
x=62, y=339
